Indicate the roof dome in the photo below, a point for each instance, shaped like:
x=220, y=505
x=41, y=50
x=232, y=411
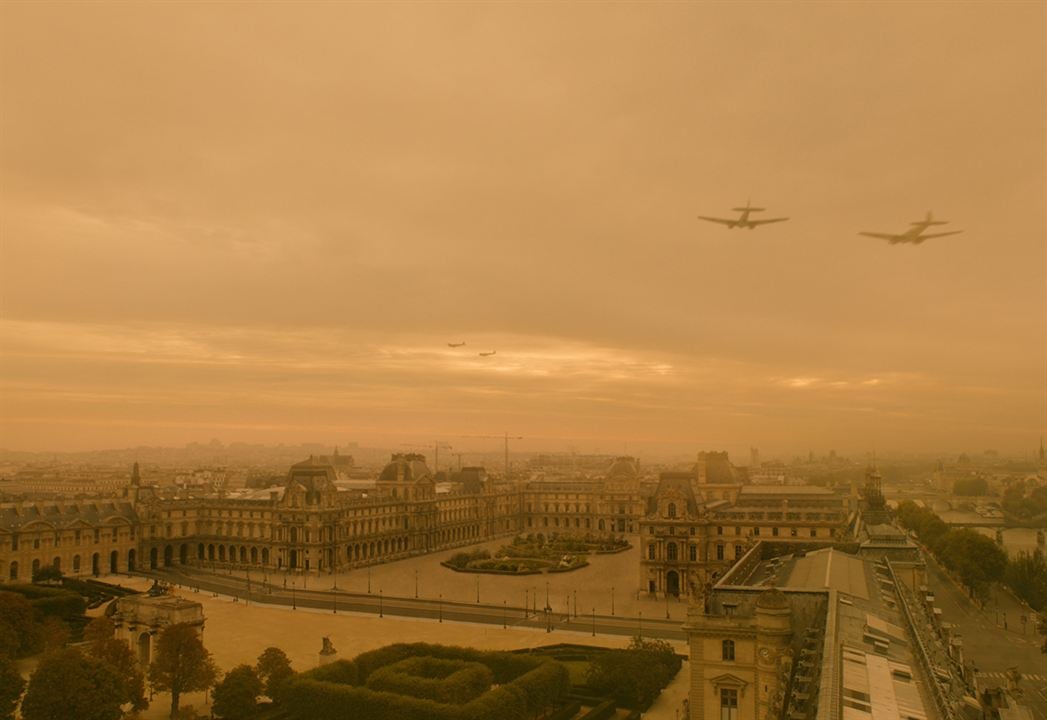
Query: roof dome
x=624, y=468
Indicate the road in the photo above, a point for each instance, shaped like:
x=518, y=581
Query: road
x=439, y=610
x=988, y=644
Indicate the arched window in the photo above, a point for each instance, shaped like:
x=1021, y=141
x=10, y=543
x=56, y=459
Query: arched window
x=671, y=510
x=728, y=649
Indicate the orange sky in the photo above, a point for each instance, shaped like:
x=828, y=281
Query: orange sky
x=264, y=223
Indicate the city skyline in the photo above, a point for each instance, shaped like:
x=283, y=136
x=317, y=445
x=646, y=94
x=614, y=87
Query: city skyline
x=266, y=224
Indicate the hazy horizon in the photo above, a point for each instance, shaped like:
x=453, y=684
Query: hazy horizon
x=264, y=223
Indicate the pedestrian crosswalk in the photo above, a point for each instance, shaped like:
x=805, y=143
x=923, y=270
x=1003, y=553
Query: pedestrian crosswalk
x=1003, y=676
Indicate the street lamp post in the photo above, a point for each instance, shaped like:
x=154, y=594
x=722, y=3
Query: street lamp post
x=477, y=589
x=576, y=603
x=368, y=579
x=612, y=600
x=294, y=605
x=440, y=607
x=415, y=584
x=380, y=609
x=527, y=605
x=567, y=608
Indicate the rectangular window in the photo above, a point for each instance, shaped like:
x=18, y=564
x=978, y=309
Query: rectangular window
x=814, y=532
x=719, y=552
x=728, y=704
x=756, y=531
x=719, y=531
x=694, y=553
x=774, y=531
x=738, y=550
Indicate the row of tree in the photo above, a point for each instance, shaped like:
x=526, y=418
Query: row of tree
x=103, y=678
x=1025, y=500
x=976, y=558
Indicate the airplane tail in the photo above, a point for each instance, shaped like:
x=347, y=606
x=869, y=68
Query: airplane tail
x=930, y=221
x=748, y=208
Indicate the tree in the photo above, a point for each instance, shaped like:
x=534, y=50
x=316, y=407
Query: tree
x=274, y=669
x=182, y=663
x=11, y=687
x=978, y=560
x=47, y=573
x=634, y=676
x=1027, y=576
x=54, y=633
x=18, y=631
x=118, y=655
x=67, y=684
x=236, y=697
x=970, y=486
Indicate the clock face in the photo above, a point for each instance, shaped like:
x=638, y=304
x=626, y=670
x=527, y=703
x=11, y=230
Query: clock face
x=765, y=653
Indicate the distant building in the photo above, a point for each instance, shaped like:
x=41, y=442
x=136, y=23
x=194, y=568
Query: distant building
x=321, y=520
x=693, y=531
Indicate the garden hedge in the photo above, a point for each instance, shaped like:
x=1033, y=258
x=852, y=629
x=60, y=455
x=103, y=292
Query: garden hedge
x=526, y=685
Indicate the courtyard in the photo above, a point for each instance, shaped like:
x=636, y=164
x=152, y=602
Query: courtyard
x=237, y=632
x=608, y=584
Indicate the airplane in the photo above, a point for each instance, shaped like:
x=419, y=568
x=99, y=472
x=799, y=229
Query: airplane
x=914, y=234
x=488, y=354
x=743, y=221
x=455, y=344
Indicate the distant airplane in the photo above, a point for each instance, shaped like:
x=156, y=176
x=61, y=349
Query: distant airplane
x=488, y=354
x=914, y=234
x=455, y=344
x=743, y=220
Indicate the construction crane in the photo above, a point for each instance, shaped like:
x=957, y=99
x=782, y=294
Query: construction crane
x=436, y=447
x=506, y=437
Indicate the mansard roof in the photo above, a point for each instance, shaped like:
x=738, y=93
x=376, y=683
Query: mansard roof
x=59, y=516
x=313, y=475
x=679, y=484
x=406, y=467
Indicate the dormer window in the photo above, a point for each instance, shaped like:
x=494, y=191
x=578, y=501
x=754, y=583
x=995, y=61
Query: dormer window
x=671, y=510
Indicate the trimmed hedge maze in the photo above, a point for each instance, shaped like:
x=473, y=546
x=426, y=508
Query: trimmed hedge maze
x=429, y=682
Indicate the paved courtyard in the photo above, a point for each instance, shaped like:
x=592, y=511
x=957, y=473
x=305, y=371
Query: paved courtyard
x=607, y=576
x=236, y=632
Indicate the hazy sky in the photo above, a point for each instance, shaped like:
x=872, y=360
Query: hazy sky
x=264, y=222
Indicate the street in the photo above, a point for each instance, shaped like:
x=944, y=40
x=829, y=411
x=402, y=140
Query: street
x=992, y=647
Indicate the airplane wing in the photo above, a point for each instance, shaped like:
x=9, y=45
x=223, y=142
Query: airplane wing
x=934, y=235
x=884, y=236
x=717, y=220
x=769, y=220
